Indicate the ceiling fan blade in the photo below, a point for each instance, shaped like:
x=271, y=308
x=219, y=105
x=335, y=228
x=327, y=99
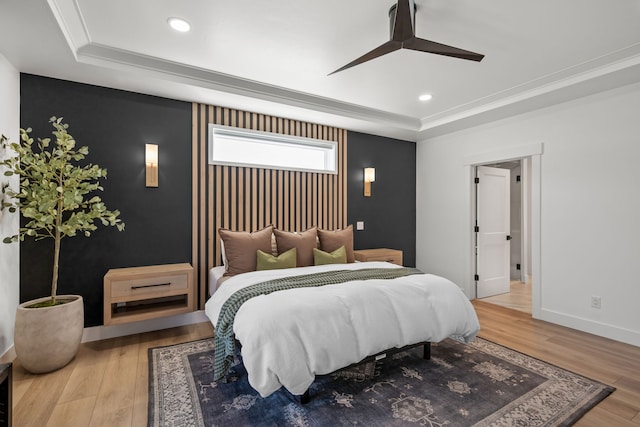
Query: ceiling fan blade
x=429, y=46
x=403, y=24
x=383, y=49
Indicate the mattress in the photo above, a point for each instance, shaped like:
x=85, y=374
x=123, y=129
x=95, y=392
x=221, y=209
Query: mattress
x=215, y=276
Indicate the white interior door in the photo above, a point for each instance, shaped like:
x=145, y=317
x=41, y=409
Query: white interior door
x=493, y=246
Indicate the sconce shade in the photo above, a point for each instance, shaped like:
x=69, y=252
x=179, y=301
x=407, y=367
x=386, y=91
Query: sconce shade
x=369, y=174
x=369, y=177
x=151, y=162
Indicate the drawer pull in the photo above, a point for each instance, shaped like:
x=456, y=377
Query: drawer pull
x=133, y=288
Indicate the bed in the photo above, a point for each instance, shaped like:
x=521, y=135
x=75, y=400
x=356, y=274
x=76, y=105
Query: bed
x=289, y=336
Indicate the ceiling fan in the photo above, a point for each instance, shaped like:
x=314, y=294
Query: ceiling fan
x=403, y=36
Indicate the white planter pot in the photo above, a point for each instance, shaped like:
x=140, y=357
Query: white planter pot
x=48, y=338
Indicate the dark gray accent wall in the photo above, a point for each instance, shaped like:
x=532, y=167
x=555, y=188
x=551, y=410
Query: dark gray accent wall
x=390, y=213
x=115, y=125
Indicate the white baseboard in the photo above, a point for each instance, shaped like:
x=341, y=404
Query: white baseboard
x=596, y=328
x=97, y=333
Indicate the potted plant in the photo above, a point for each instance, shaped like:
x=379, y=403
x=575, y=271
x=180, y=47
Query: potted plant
x=57, y=200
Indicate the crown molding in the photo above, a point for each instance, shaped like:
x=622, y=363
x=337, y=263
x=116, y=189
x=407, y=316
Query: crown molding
x=609, y=71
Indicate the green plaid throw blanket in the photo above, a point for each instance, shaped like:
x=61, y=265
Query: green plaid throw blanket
x=224, y=349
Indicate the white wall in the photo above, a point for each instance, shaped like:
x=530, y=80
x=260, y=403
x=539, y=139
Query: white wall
x=589, y=207
x=9, y=253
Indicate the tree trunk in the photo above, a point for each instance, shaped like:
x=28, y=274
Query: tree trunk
x=56, y=250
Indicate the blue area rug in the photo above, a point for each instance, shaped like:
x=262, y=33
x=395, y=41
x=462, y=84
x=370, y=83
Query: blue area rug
x=479, y=384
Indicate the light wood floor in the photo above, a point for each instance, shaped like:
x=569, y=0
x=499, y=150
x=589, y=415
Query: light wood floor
x=519, y=297
x=107, y=383
x=602, y=359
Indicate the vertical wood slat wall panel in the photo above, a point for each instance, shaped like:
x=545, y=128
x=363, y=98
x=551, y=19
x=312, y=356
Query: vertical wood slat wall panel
x=195, y=195
x=246, y=199
x=202, y=173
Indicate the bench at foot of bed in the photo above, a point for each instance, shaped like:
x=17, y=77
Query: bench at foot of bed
x=305, y=397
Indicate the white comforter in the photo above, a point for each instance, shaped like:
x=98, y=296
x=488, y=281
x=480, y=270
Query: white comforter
x=290, y=336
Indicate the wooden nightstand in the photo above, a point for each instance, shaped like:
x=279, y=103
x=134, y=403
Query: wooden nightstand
x=140, y=293
x=393, y=256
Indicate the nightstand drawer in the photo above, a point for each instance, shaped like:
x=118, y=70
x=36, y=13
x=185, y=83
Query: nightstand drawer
x=141, y=293
x=147, y=285
x=381, y=254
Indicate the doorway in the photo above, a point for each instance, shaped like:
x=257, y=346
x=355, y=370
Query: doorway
x=531, y=154
x=502, y=234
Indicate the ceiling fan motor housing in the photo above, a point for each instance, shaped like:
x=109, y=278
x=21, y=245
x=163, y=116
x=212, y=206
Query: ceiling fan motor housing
x=403, y=36
x=392, y=18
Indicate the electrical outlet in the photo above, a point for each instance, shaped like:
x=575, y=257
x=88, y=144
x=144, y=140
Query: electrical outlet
x=360, y=225
x=596, y=301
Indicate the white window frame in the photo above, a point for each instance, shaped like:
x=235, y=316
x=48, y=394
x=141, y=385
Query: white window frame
x=330, y=148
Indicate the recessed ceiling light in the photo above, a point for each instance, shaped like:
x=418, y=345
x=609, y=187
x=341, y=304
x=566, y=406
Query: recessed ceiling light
x=425, y=97
x=179, y=24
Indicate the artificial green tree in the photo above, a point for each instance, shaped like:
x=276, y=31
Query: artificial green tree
x=56, y=195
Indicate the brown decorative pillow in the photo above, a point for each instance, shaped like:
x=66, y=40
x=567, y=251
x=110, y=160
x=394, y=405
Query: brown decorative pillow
x=332, y=240
x=241, y=247
x=304, y=242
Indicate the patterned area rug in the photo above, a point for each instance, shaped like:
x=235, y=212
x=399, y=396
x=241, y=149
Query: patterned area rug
x=480, y=384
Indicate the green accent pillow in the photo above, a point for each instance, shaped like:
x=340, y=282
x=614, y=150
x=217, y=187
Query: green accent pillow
x=339, y=256
x=267, y=261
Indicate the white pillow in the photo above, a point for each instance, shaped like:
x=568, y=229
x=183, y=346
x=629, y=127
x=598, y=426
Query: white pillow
x=224, y=255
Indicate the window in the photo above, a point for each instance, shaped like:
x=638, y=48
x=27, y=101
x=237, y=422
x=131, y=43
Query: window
x=242, y=147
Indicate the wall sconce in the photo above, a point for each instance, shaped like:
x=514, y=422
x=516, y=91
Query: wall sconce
x=151, y=161
x=369, y=177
